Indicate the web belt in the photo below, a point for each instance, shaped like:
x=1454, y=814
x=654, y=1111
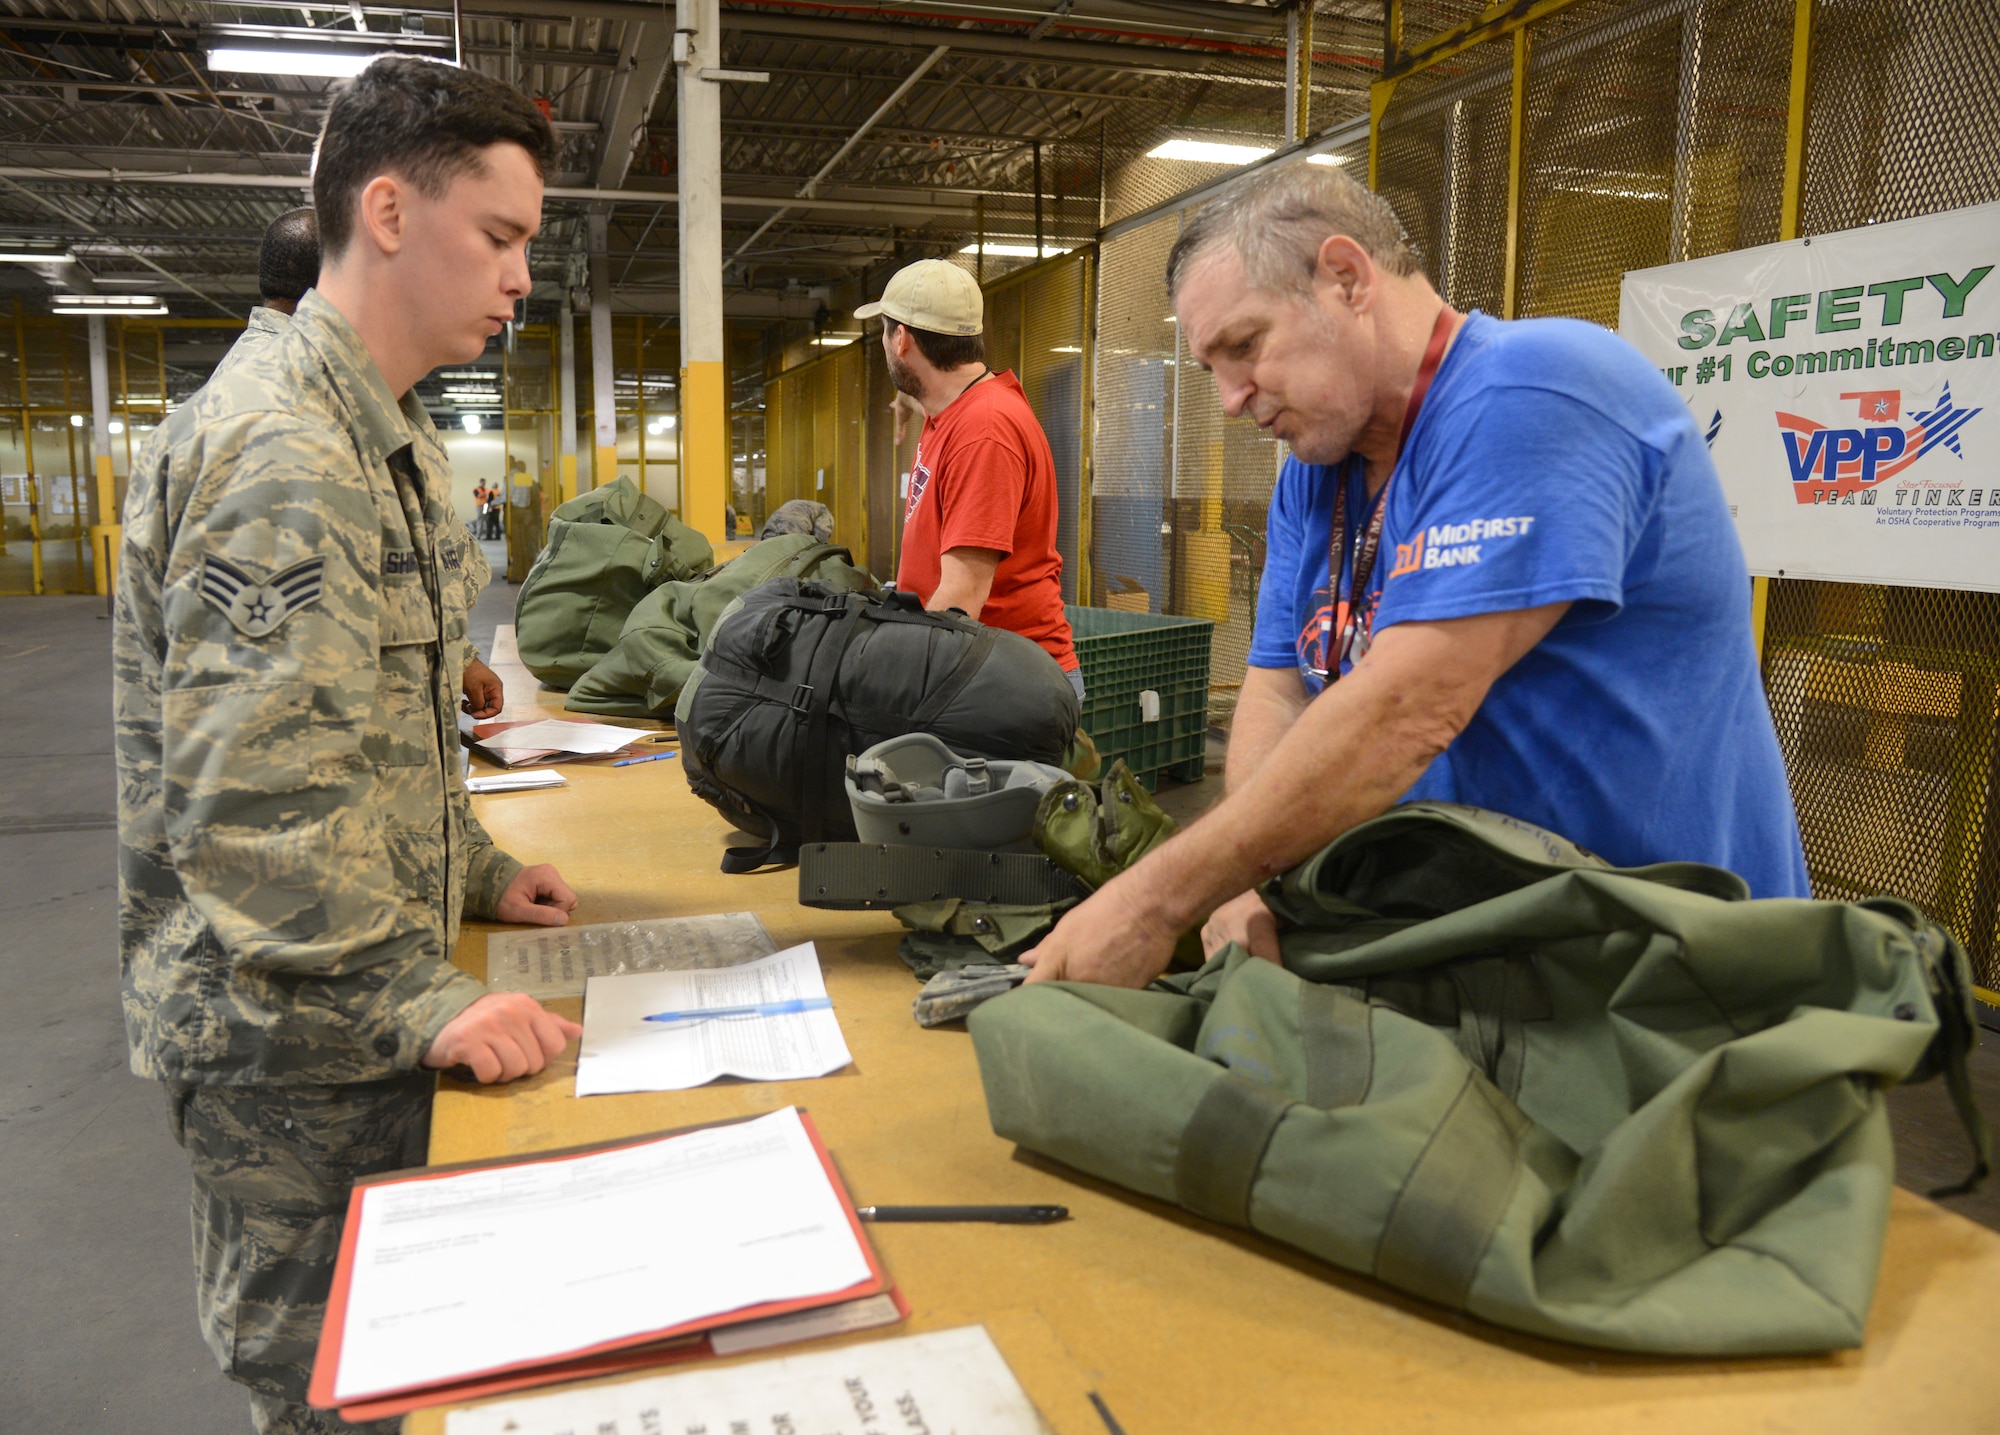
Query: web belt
x=849, y=875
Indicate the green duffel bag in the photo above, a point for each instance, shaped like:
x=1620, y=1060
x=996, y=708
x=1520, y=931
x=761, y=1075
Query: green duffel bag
x=1631, y=1109
x=661, y=642
x=606, y=550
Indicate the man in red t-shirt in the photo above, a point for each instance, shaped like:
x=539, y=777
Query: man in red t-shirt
x=979, y=523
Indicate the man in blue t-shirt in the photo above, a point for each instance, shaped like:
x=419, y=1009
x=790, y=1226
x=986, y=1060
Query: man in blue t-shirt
x=1553, y=614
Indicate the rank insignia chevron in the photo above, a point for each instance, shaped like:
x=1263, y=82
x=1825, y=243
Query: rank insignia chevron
x=258, y=608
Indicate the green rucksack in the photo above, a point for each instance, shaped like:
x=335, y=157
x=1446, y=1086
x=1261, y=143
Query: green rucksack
x=661, y=642
x=606, y=550
x=1632, y=1109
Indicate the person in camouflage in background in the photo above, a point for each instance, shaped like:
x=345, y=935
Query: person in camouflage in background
x=296, y=847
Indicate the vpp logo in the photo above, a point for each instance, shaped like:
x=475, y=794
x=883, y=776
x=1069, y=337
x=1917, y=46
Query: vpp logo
x=1829, y=464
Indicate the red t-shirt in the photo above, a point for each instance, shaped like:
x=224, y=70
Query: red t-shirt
x=983, y=477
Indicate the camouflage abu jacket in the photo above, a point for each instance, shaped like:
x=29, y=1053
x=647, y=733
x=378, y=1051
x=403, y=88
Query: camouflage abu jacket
x=265, y=327
x=295, y=844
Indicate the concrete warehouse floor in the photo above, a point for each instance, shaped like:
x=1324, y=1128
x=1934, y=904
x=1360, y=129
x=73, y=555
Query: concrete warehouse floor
x=97, y=1325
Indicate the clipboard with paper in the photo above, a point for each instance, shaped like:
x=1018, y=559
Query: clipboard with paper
x=458, y=1283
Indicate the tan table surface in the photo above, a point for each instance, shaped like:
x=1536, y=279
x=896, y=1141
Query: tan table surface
x=1178, y=1324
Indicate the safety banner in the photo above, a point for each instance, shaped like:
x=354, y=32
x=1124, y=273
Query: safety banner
x=1849, y=391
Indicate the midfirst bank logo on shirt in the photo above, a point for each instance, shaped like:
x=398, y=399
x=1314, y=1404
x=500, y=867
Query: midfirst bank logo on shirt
x=1457, y=545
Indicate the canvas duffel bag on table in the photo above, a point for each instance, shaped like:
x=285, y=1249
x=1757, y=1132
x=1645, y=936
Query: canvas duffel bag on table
x=1632, y=1109
x=606, y=550
x=663, y=636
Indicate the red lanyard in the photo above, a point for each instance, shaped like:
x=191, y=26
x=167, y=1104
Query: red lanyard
x=1349, y=620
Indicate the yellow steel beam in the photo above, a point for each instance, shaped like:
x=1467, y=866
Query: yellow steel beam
x=1510, y=293
x=1788, y=211
x=1489, y=24
x=1795, y=120
x=1379, y=95
x=1303, y=78
x=704, y=446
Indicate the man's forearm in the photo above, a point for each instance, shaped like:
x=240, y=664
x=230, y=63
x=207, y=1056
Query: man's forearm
x=963, y=596
x=1272, y=702
x=1353, y=752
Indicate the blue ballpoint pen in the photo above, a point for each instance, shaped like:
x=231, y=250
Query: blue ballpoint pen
x=782, y=1008
x=651, y=757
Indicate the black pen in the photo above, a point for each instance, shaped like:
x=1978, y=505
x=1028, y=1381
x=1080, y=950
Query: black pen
x=1005, y=1215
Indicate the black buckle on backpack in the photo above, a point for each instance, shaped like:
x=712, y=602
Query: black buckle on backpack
x=802, y=697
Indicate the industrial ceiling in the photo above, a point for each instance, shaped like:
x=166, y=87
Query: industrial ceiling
x=882, y=132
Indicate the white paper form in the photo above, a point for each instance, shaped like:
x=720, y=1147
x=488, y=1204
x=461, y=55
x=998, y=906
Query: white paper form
x=947, y=1381
x=556, y=961
x=595, y=738
x=470, y=1272
x=622, y=1051
x=525, y=780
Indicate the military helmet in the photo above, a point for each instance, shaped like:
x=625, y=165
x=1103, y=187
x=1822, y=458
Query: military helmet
x=913, y=790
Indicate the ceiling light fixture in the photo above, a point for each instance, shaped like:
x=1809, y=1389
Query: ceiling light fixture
x=328, y=62
x=1014, y=249
x=106, y=301
x=101, y=311
x=835, y=341
x=1208, y=152
x=32, y=256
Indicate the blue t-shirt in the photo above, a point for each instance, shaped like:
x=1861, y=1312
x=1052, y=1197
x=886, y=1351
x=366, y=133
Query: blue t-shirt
x=1551, y=463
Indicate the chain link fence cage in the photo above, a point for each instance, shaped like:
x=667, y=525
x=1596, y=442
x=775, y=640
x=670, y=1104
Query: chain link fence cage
x=1884, y=697
x=1654, y=132
x=1037, y=324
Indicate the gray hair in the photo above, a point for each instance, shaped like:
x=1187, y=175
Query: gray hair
x=1276, y=220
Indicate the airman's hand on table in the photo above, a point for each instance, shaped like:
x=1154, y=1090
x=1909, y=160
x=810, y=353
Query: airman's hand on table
x=1113, y=938
x=502, y=1036
x=1246, y=921
x=538, y=896
x=484, y=695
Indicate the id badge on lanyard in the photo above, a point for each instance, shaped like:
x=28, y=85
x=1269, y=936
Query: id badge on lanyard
x=1348, y=626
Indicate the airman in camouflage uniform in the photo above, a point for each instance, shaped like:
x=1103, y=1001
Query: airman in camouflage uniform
x=296, y=847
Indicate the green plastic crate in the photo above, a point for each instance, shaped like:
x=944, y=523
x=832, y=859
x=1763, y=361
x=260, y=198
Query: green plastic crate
x=1125, y=654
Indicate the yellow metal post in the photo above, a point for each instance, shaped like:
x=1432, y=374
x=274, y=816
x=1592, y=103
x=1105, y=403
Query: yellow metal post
x=1795, y=119
x=1303, y=78
x=28, y=448
x=76, y=519
x=1379, y=95
x=1510, y=293
x=704, y=441
x=1086, y=468
x=1789, y=205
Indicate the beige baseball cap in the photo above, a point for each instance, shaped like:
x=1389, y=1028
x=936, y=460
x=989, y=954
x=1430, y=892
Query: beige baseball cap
x=931, y=294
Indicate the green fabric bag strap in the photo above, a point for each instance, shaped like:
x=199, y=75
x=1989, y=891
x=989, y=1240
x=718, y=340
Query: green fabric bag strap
x=1222, y=1146
x=1338, y=1035
x=1948, y=974
x=1445, y=1215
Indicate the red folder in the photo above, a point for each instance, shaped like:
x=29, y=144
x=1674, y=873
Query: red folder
x=690, y=1340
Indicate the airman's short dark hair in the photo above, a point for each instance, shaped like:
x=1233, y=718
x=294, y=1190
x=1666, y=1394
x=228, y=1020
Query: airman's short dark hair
x=288, y=259
x=422, y=121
